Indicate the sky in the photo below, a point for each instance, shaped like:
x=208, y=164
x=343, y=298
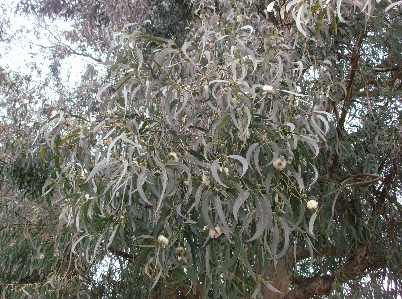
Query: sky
x=26, y=51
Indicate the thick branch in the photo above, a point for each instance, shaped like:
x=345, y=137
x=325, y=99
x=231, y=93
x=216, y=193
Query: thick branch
x=355, y=267
x=129, y=257
x=353, y=69
x=349, y=88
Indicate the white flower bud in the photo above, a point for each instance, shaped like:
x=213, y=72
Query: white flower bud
x=268, y=88
x=41, y=256
x=312, y=204
x=180, y=250
x=163, y=240
x=205, y=180
x=239, y=18
x=215, y=232
x=280, y=163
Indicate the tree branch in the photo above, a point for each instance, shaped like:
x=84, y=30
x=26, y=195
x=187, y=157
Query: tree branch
x=363, y=258
x=128, y=256
x=349, y=88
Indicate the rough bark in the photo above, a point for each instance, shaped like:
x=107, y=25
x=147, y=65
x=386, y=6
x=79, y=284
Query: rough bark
x=278, y=278
x=362, y=259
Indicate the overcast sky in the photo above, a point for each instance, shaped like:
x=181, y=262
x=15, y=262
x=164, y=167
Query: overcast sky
x=27, y=48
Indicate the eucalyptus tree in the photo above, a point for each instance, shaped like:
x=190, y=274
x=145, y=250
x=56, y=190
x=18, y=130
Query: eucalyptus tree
x=258, y=158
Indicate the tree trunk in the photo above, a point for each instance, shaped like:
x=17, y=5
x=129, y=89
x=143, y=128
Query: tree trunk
x=278, y=278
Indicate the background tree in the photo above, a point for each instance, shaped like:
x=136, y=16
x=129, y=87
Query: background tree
x=257, y=156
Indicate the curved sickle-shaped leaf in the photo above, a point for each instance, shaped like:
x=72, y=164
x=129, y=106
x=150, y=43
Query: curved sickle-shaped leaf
x=164, y=181
x=197, y=198
x=101, y=90
x=221, y=123
x=298, y=20
x=242, y=161
x=214, y=172
x=286, y=232
x=262, y=220
x=315, y=174
x=234, y=258
x=244, y=258
x=392, y=5
x=207, y=258
x=311, y=224
x=205, y=208
x=250, y=151
x=238, y=203
x=140, y=181
x=99, y=166
x=297, y=176
x=276, y=152
x=225, y=227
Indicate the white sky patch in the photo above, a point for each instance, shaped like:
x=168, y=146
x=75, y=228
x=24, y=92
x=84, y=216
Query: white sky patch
x=28, y=55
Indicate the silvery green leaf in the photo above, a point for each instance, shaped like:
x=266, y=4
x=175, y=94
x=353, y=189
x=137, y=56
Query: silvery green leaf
x=291, y=3
x=225, y=227
x=276, y=152
x=286, y=233
x=322, y=118
x=247, y=27
x=338, y=11
x=310, y=249
x=207, y=259
x=197, y=198
x=262, y=219
x=298, y=20
x=270, y=6
x=140, y=181
x=256, y=160
x=238, y=203
x=392, y=5
x=297, y=175
x=291, y=126
x=205, y=208
x=270, y=286
x=242, y=161
x=247, y=263
x=184, y=48
x=100, y=166
x=315, y=175
x=186, y=96
x=111, y=237
x=76, y=243
x=247, y=220
x=316, y=128
x=214, y=172
x=311, y=224
x=140, y=58
x=312, y=144
x=101, y=90
x=98, y=126
x=293, y=93
x=257, y=291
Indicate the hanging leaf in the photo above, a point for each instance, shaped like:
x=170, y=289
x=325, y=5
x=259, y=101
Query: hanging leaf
x=242, y=161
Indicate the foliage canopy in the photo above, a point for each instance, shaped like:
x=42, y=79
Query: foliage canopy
x=251, y=151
